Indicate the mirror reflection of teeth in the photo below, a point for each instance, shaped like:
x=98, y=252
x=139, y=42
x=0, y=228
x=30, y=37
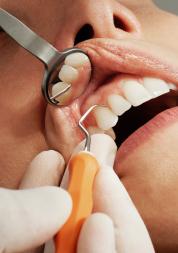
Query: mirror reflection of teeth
x=57, y=88
x=69, y=71
x=68, y=74
x=76, y=60
x=134, y=93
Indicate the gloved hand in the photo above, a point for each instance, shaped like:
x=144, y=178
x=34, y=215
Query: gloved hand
x=30, y=217
x=116, y=227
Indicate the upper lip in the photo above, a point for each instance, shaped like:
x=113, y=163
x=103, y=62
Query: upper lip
x=136, y=57
x=109, y=57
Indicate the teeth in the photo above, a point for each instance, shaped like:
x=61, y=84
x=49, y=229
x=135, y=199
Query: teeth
x=135, y=93
x=172, y=86
x=156, y=87
x=95, y=130
x=76, y=60
x=118, y=104
x=57, y=88
x=111, y=133
x=105, y=118
x=68, y=74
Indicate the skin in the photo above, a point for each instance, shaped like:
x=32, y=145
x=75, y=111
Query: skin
x=150, y=180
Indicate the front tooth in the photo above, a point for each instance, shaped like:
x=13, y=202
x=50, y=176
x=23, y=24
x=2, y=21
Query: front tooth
x=156, y=87
x=118, y=104
x=57, y=88
x=105, y=118
x=135, y=93
x=76, y=60
x=68, y=74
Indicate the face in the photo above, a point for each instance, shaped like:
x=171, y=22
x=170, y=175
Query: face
x=125, y=40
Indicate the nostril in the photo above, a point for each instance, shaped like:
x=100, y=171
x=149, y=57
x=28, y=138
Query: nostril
x=85, y=33
x=120, y=24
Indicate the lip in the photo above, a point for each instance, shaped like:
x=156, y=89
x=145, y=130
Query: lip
x=132, y=57
x=109, y=57
x=144, y=133
x=136, y=57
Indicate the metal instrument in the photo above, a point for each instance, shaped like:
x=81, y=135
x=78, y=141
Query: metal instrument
x=83, y=168
x=41, y=49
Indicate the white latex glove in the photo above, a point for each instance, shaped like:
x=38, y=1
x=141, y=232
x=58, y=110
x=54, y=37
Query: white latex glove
x=30, y=217
x=117, y=226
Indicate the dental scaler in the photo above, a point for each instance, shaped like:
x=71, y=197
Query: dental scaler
x=83, y=168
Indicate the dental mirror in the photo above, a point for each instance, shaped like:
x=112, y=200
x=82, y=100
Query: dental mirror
x=44, y=51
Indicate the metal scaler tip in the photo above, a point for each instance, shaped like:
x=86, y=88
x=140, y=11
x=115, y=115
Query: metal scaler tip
x=83, y=128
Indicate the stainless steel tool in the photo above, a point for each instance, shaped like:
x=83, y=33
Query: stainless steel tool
x=40, y=48
x=82, y=168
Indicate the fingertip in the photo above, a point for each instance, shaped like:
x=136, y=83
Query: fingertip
x=46, y=168
x=58, y=160
x=49, y=157
x=121, y=209
x=103, y=147
x=100, y=218
x=98, y=228
x=61, y=202
x=51, y=207
x=66, y=201
x=37, y=213
x=53, y=154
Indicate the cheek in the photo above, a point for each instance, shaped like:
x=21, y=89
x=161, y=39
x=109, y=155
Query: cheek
x=21, y=77
x=162, y=30
x=22, y=110
x=150, y=175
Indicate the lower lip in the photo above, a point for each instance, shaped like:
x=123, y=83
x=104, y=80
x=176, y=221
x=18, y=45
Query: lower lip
x=133, y=58
x=144, y=133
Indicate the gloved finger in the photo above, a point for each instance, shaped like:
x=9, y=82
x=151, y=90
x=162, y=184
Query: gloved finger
x=111, y=197
x=47, y=168
x=97, y=235
x=102, y=146
x=28, y=218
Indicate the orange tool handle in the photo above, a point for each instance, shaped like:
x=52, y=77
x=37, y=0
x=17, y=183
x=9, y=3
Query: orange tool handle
x=82, y=170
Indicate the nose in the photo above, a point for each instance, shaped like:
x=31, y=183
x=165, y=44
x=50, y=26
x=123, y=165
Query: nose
x=83, y=20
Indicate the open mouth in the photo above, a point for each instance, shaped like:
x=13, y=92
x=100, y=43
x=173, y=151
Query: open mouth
x=131, y=79
x=142, y=84
x=130, y=103
x=137, y=117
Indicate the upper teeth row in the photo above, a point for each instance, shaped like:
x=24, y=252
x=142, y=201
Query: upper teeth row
x=68, y=74
x=134, y=92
